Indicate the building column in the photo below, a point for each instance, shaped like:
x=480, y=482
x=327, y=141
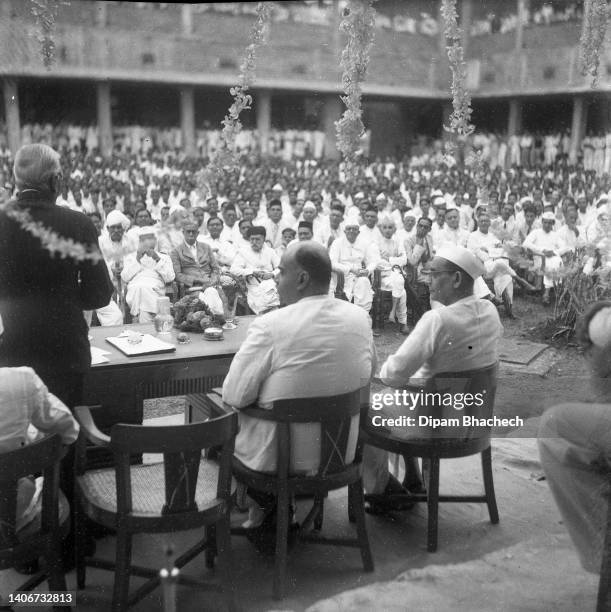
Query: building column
x=577, y=127
x=187, y=19
x=331, y=112
x=187, y=119
x=514, y=121
x=104, y=118
x=11, y=113
x=523, y=6
x=466, y=18
x=263, y=107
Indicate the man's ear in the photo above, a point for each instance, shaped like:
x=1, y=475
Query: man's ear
x=303, y=279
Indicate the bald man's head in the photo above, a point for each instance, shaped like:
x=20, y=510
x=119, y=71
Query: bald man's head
x=305, y=270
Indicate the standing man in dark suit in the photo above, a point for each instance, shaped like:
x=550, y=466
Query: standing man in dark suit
x=43, y=295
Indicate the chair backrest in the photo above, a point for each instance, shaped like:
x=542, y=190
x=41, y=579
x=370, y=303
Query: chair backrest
x=334, y=414
x=454, y=395
x=39, y=457
x=182, y=447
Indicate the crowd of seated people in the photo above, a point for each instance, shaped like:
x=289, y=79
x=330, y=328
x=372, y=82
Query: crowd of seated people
x=540, y=219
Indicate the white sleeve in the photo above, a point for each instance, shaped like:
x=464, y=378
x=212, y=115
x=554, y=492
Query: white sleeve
x=50, y=415
x=165, y=269
x=131, y=268
x=250, y=367
x=418, y=348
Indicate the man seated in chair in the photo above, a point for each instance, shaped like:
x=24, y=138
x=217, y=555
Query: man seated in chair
x=357, y=258
x=462, y=334
x=392, y=260
x=575, y=446
x=314, y=346
x=195, y=266
x=28, y=411
x=257, y=264
x=146, y=273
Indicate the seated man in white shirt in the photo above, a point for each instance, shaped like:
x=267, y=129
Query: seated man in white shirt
x=461, y=335
x=356, y=259
x=146, y=273
x=257, y=265
x=369, y=230
x=407, y=228
x=288, y=237
x=392, y=261
x=315, y=346
x=331, y=228
x=224, y=252
x=546, y=243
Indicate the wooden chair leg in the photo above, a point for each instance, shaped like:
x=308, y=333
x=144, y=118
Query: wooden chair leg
x=80, y=539
x=604, y=585
x=320, y=502
x=282, y=534
x=211, y=545
x=223, y=545
x=351, y=502
x=122, y=567
x=433, y=504
x=355, y=490
x=55, y=568
x=489, y=485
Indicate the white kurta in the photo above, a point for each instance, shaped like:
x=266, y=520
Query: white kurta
x=538, y=241
x=262, y=295
x=146, y=280
x=298, y=351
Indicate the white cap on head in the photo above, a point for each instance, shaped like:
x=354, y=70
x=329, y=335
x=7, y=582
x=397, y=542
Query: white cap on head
x=599, y=328
x=116, y=217
x=277, y=187
x=463, y=258
x=147, y=230
x=380, y=197
x=548, y=216
x=359, y=196
x=409, y=213
x=309, y=205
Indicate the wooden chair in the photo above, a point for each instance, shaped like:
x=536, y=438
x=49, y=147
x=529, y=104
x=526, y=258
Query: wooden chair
x=604, y=584
x=334, y=415
x=34, y=540
x=382, y=301
x=184, y=492
x=446, y=443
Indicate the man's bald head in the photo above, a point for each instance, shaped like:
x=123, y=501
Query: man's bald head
x=35, y=166
x=305, y=270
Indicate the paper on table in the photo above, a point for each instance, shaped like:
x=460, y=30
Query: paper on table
x=149, y=345
x=98, y=355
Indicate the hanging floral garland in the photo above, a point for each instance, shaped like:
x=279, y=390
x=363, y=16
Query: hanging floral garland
x=596, y=13
x=460, y=119
x=226, y=157
x=358, y=23
x=51, y=241
x=45, y=12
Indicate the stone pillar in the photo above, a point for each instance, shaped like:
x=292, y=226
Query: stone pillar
x=11, y=113
x=514, y=121
x=263, y=107
x=577, y=126
x=101, y=14
x=466, y=18
x=523, y=6
x=331, y=112
x=104, y=118
x=187, y=119
x=187, y=19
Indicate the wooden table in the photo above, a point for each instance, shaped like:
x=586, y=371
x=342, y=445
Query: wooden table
x=122, y=384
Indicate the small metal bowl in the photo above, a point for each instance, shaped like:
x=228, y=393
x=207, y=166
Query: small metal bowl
x=213, y=333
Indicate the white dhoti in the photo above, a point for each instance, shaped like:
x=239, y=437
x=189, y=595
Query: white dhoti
x=110, y=315
x=552, y=265
x=359, y=288
x=394, y=282
x=501, y=274
x=262, y=295
x=142, y=295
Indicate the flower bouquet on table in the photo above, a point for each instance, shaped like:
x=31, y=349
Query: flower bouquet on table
x=191, y=314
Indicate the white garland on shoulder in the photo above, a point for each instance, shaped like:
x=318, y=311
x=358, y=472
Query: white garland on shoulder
x=51, y=241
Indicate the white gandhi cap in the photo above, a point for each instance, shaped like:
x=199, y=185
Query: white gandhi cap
x=463, y=258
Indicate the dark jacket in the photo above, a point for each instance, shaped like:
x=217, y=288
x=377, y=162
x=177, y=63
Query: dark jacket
x=204, y=271
x=42, y=297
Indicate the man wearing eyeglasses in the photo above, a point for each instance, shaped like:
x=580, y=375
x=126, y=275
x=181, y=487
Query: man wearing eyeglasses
x=461, y=335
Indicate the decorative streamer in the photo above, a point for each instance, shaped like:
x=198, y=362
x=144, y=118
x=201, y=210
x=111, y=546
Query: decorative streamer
x=45, y=12
x=358, y=23
x=226, y=157
x=595, y=16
